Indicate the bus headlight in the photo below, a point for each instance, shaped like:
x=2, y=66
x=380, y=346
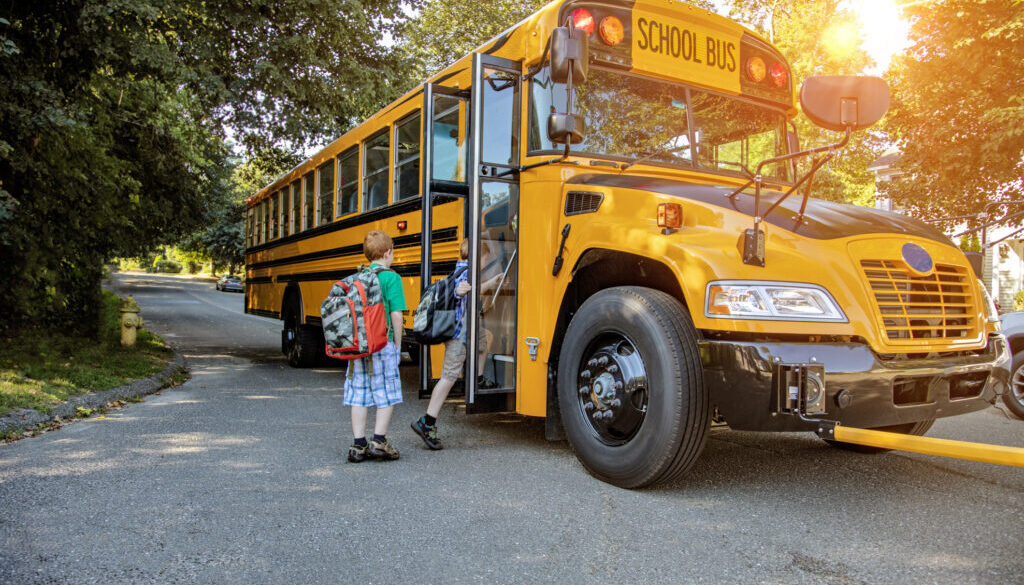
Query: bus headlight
x=780, y=301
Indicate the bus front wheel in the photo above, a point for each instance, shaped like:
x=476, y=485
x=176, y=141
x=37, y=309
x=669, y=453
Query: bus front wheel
x=630, y=387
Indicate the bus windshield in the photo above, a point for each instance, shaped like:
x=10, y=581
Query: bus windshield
x=632, y=118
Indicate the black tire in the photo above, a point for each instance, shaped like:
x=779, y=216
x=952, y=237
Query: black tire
x=657, y=408
x=1014, y=396
x=917, y=429
x=303, y=345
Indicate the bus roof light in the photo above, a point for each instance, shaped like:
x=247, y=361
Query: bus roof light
x=778, y=75
x=583, y=19
x=612, y=31
x=756, y=69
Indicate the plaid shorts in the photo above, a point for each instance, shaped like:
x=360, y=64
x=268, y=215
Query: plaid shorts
x=382, y=387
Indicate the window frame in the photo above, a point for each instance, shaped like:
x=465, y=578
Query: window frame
x=283, y=210
x=295, y=190
x=309, y=200
x=348, y=153
x=366, y=176
x=272, y=218
x=397, y=164
x=321, y=198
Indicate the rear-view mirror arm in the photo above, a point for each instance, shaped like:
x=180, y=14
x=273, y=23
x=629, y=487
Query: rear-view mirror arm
x=828, y=148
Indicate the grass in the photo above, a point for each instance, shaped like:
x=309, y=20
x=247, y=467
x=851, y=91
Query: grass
x=40, y=369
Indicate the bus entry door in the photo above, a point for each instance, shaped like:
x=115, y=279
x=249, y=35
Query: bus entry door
x=492, y=225
x=445, y=154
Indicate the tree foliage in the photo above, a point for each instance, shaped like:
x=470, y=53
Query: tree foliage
x=113, y=115
x=958, y=107
x=446, y=30
x=223, y=239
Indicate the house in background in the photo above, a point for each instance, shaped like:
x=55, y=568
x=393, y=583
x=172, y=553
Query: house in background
x=1003, y=247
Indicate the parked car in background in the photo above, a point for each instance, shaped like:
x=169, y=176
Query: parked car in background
x=230, y=282
x=1013, y=329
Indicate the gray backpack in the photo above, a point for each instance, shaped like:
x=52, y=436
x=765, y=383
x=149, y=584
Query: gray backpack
x=353, y=317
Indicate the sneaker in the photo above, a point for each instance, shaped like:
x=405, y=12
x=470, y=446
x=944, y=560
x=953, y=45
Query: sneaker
x=385, y=451
x=486, y=383
x=428, y=434
x=357, y=453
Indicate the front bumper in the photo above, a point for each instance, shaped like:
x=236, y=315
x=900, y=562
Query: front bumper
x=741, y=377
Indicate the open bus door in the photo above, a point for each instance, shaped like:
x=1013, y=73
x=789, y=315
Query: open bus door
x=444, y=178
x=492, y=227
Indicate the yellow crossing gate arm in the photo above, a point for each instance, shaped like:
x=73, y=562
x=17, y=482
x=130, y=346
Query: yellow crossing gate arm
x=999, y=454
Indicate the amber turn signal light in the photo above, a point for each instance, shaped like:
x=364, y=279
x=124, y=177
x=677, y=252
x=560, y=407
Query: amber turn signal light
x=612, y=31
x=670, y=215
x=756, y=69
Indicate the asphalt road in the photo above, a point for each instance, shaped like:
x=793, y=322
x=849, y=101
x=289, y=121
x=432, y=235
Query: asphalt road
x=239, y=476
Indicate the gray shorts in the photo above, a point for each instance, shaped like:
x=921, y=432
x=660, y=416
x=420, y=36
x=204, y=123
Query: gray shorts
x=454, y=357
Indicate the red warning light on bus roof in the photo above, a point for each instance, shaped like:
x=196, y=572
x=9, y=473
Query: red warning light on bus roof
x=582, y=18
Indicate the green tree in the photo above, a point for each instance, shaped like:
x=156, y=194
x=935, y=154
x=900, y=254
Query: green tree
x=446, y=30
x=820, y=38
x=223, y=240
x=958, y=107
x=113, y=113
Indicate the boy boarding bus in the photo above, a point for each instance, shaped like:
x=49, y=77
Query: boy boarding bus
x=660, y=264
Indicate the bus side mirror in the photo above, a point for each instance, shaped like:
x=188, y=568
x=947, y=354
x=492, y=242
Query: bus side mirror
x=565, y=128
x=838, y=102
x=569, y=53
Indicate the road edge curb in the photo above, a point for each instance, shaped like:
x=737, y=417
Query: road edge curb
x=27, y=418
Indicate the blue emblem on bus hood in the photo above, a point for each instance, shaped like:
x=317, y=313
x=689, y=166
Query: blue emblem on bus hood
x=917, y=258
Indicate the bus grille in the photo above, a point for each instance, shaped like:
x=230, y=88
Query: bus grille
x=935, y=307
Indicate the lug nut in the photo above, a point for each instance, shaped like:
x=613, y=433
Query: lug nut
x=585, y=374
x=589, y=406
x=617, y=386
x=584, y=390
x=603, y=361
x=591, y=363
x=615, y=403
x=608, y=415
x=613, y=368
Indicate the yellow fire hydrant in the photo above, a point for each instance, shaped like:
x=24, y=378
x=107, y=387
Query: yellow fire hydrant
x=130, y=321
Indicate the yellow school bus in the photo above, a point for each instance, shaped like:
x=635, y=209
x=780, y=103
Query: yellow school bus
x=625, y=172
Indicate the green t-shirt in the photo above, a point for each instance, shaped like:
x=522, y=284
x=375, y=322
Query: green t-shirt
x=393, y=292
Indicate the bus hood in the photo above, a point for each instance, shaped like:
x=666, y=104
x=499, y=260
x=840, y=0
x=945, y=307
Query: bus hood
x=823, y=220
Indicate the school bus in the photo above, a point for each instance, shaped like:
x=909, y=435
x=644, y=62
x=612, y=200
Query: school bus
x=625, y=171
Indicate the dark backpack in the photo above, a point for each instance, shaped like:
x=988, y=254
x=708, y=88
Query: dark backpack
x=434, y=321
x=353, y=317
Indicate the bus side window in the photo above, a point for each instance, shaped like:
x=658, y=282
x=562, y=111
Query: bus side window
x=297, y=206
x=272, y=200
x=263, y=217
x=407, y=157
x=449, y=148
x=326, y=192
x=348, y=182
x=309, y=185
x=283, y=206
x=375, y=171
x=258, y=224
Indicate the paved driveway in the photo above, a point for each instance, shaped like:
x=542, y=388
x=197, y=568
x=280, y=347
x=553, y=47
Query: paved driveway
x=239, y=476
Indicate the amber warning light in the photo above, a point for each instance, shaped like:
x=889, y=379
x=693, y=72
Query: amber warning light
x=670, y=215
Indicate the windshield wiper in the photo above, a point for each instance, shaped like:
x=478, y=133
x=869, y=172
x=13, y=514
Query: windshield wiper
x=651, y=155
